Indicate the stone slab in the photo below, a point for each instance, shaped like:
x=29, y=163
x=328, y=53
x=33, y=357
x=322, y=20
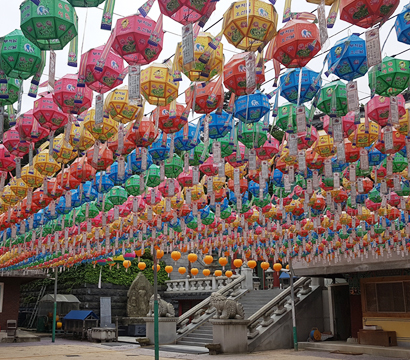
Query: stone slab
x=231, y=334
x=167, y=330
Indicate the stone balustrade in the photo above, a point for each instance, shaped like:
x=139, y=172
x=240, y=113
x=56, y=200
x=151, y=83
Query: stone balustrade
x=210, y=284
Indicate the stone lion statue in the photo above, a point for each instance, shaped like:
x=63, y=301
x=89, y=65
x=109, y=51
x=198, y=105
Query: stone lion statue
x=164, y=309
x=226, y=308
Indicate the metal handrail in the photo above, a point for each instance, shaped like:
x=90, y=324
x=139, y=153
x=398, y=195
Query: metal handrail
x=267, y=307
x=206, y=301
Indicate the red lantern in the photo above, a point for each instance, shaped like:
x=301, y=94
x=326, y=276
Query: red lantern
x=186, y=179
x=81, y=170
x=29, y=128
x=7, y=162
x=54, y=188
x=132, y=39
x=142, y=133
x=399, y=141
x=314, y=160
x=268, y=149
x=48, y=114
x=170, y=124
x=352, y=153
x=105, y=157
x=235, y=74
x=347, y=123
x=202, y=93
x=12, y=142
x=366, y=13
x=111, y=75
x=164, y=186
x=295, y=44
x=70, y=99
x=188, y=11
x=378, y=108
x=208, y=167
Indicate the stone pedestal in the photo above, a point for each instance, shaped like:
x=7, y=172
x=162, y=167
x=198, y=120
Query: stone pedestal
x=167, y=329
x=231, y=334
x=248, y=273
x=135, y=326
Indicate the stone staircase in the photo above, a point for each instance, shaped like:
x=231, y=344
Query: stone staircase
x=252, y=301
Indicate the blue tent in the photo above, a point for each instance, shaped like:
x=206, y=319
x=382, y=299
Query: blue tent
x=285, y=275
x=80, y=315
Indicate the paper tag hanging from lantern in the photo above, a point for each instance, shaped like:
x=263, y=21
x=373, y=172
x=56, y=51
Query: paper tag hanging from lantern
x=195, y=175
x=388, y=138
x=373, y=47
x=321, y=14
x=337, y=130
x=328, y=168
x=341, y=154
x=134, y=85
x=364, y=160
x=188, y=55
x=250, y=72
x=52, y=70
x=301, y=160
x=293, y=144
x=394, y=110
x=221, y=169
x=352, y=96
x=1, y=122
x=99, y=111
x=300, y=119
x=216, y=152
x=252, y=159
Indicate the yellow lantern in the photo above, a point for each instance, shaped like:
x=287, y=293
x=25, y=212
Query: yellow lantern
x=228, y=273
x=175, y=255
x=252, y=264
x=63, y=152
x=9, y=197
x=277, y=267
x=214, y=64
x=118, y=107
x=126, y=264
x=177, y=201
x=363, y=138
x=160, y=254
x=223, y=261
x=237, y=263
x=18, y=187
x=158, y=85
x=323, y=146
x=208, y=259
x=265, y=265
x=105, y=131
x=31, y=177
x=196, y=192
x=288, y=159
x=218, y=183
x=181, y=270
x=3, y=206
x=80, y=137
x=229, y=170
x=403, y=127
x=247, y=30
x=168, y=269
x=158, y=267
x=45, y=164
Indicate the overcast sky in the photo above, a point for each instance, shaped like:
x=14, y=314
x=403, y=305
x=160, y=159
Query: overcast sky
x=91, y=36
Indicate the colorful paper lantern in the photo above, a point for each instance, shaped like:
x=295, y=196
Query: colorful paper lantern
x=48, y=114
x=104, y=131
x=378, y=108
x=333, y=92
x=9, y=91
x=118, y=107
x=289, y=85
x=251, y=108
x=402, y=25
x=203, y=105
x=168, y=122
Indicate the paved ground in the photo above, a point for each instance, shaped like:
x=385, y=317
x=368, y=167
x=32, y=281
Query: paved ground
x=69, y=349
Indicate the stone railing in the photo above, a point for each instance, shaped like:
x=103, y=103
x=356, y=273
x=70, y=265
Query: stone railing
x=199, y=284
x=266, y=315
x=233, y=288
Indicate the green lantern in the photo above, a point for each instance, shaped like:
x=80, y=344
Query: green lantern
x=362, y=173
x=399, y=163
x=117, y=195
x=262, y=203
x=108, y=205
x=404, y=189
x=197, y=151
x=19, y=57
x=132, y=185
x=392, y=78
x=152, y=176
x=209, y=219
x=226, y=212
x=50, y=25
x=226, y=148
x=286, y=112
x=193, y=224
x=173, y=167
x=68, y=219
x=9, y=91
x=252, y=135
x=92, y=210
x=333, y=99
x=86, y=3
x=79, y=215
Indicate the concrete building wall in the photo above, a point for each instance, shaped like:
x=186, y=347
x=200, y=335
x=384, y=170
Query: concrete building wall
x=11, y=300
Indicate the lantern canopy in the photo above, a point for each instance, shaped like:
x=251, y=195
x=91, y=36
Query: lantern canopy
x=248, y=30
x=50, y=25
x=351, y=63
x=290, y=85
x=19, y=57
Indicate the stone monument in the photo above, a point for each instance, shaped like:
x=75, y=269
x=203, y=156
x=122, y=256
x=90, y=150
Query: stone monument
x=139, y=295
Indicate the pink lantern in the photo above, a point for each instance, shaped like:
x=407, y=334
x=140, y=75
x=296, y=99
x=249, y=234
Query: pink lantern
x=188, y=11
x=208, y=167
x=48, y=114
x=111, y=75
x=378, y=108
x=347, y=123
x=138, y=40
x=29, y=128
x=13, y=143
x=68, y=98
x=7, y=162
x=232, y=158
x=164, y=186
x=303, y=142
x=268, y=149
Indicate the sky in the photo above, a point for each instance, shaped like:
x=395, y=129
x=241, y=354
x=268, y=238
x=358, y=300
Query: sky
x=91, y=36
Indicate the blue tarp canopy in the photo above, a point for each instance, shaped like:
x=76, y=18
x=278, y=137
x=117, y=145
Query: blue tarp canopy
x=80, y=315
x=285, y=275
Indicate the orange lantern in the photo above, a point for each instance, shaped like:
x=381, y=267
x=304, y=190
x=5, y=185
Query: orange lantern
x=252, y=264
x=223, y=261
x=192, y=258
x=277, y=267
x=182, y=270
x=228, y=273
x=168, y=269
x=142, y=266
x=208, y=259
x=218, y=273
x=206, y=272
x=202, y=94
x=160, y=254
x=194, y=271
x=237, y=263
x=126, y=264
x=265, y=265
x=175, y=255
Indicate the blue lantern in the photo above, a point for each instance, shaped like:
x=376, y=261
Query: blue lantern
x=89, y=193
x=376, y=157
x=218, y=124
x=158, y=151
x=351, y=63
x=106, y=183
x=402, y=25
x=188, y=143
x=114, y=176
x=253, y=188
x=134, y=161
x=289, y=85
x=251, y=108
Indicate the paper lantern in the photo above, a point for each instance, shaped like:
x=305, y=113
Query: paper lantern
x=277, y=267
x=171, y=123
x=143, y=133
x=111, y=75
x=187, y=11
x=253, y=135
x=351, y=63
x=9, y=91
x=251, y=264
x=29, y=129
x=365, y=138
x=268, y=149
x=206, y=272
x=186, y=143
x=63, y=152
x=169, y=269
x=135, y=158
x=182, y=270
x=7, y=162
x=195, y=70
x=295, y=44
x=202, y=103
x=289, y=85
x=31, y=177
x=247, y=30
x=104, y=131
x=392, y=78
x=399, y=141
x=218, y=124
x=18, y=187
x=378, y=108
x=142, y=266
x=335, y=89
x=119, y=108
x=285, y=112
x=402, y=25
x=235, y=74
x=158, y=85
x=80, y=137
x=65, y=91
x=19, y=57
x=81, y=170
x=366, y=13
x=45, y=164
x=218, y=273
x=48, y=114
x=50, y=25
x=265, y=265
x=132, y=36
x=348, y=123
x=104, y=160
x=251, y=108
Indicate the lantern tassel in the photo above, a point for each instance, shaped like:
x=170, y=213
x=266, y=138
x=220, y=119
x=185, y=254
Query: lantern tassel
x=37, y=77
x=73, y=53
x=331, y=18
x=145, y=8
x=106, y=21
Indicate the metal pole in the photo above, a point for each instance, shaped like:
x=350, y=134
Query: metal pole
x=53, y=339
x=292, y=296
x=156, y=337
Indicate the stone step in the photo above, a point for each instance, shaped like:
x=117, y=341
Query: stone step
x=196, y=337
x=200, y=331
x=192, y=343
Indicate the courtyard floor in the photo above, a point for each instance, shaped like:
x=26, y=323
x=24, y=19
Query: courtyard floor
x=71, y=349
